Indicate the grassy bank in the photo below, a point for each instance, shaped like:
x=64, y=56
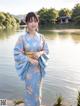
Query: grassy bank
x=59, y=102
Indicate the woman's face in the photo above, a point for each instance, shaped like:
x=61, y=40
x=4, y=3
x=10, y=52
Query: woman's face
x=32, y=25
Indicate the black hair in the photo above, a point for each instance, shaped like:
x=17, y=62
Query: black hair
x=30, y=15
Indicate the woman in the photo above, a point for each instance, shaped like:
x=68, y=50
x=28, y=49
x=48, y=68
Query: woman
x=30, y=54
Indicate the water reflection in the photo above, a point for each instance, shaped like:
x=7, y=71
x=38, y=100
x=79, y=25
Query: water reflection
x=5, y=34
x=76, y=38
x=63, y=71
x=50, y=34
x=61, y=34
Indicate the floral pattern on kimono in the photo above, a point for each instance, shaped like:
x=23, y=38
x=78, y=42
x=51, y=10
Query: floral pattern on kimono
x=32, y=74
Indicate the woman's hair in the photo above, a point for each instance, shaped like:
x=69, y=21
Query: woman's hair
x=30, y=15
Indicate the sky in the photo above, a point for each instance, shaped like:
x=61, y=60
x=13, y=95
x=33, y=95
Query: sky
x=18, y=7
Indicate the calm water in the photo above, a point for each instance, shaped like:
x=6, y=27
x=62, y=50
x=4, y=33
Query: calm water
x=63, y=70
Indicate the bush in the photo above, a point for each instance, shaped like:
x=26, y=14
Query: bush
x=78, y=99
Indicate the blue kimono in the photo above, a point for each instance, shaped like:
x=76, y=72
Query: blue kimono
x=32, y=74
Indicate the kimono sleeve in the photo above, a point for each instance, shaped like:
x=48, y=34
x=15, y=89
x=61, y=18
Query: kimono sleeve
x=43, y=58
x=21, y=60
x=45, y=45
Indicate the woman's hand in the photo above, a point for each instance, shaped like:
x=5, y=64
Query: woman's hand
x=33, y=61
x=34, y=58
x=38, y=54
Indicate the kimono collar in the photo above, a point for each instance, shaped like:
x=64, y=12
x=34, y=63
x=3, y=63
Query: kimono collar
x=36, y=34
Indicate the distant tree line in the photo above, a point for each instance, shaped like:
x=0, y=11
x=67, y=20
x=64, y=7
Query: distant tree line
x=46, y=16
x=8, y=21
x=52, y=16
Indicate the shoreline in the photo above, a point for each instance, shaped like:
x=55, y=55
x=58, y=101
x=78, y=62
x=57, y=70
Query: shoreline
x=66, y=30
x=20, y=103
x=15, y=103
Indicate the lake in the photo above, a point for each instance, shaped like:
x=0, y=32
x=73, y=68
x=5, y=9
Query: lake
x=62, y=73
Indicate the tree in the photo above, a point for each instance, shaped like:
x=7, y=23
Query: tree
x=59, y=101
x=76, y=13
x=8, y=21
x=65, y=12
x=78, y=99
x=76, y=10
x=2, y=18
x=47, y=16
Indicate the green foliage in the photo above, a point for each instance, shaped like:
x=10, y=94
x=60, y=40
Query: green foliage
x=47, y=16
x=78, y=99
x=76, y=13
x=51, y=16
x=65, y=12
x=59, y=101
x=17, y=102
x=77, y=19
x=76, y=10
x=2, y=18
x=8, y=21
